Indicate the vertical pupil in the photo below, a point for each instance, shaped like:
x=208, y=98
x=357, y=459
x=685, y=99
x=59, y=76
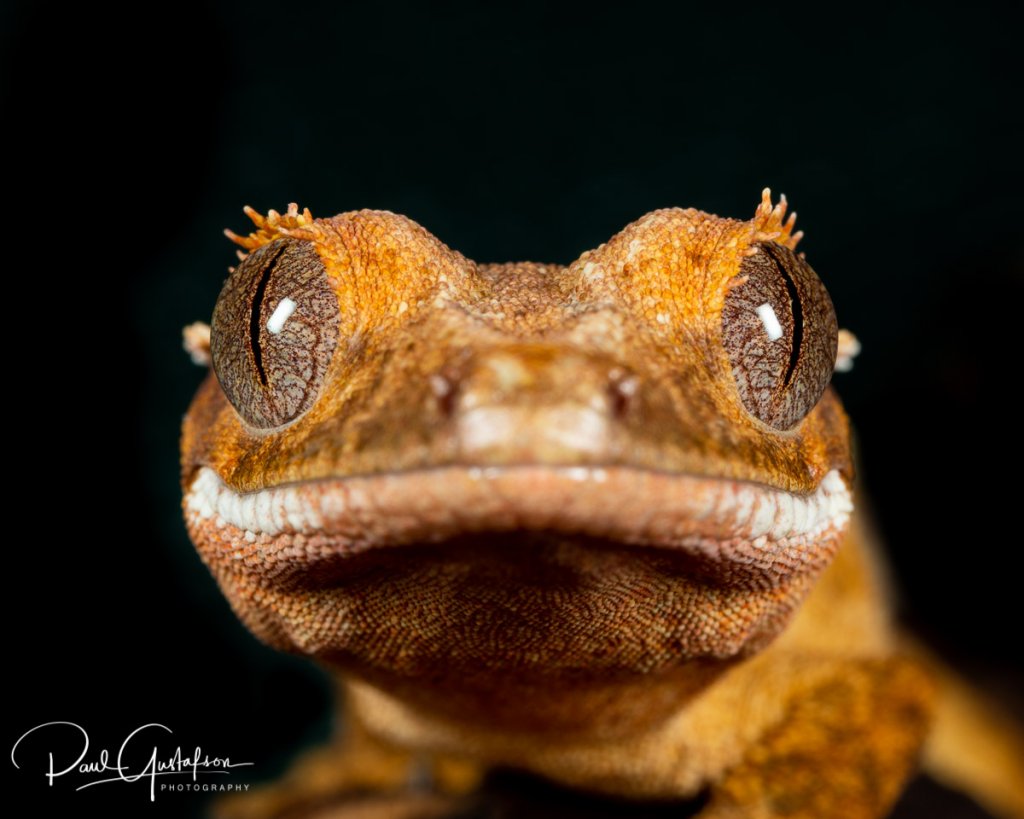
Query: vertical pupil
x=798, y=318
x=256, y=314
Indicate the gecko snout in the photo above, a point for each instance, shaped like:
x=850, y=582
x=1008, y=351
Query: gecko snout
x=535, y=403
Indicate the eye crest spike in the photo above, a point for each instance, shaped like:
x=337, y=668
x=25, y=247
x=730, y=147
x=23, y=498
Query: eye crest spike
x=254, y=215
x=292, y=224
x=770, y=223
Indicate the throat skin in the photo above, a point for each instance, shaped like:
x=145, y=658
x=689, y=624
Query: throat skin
x=684, y=727
x=527, y=648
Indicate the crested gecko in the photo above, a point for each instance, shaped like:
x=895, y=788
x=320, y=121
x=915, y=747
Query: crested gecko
x=594, y=522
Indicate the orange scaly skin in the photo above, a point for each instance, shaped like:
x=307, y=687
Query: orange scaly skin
x=508, y=520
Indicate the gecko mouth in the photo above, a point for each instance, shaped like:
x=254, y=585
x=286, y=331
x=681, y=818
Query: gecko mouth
x=737, y=523
x=453, y=578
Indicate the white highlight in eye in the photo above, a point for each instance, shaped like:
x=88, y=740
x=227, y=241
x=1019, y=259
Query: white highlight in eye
x=284, y=311
x=770, y=321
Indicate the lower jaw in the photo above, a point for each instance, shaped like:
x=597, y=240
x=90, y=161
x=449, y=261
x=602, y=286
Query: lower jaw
x=526, y=632
x=553, y=601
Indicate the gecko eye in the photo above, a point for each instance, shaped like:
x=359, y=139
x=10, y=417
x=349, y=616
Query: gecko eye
x=274, y=331
x=780, y=332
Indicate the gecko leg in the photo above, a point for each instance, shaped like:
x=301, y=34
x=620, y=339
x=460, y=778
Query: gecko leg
x=845, y=749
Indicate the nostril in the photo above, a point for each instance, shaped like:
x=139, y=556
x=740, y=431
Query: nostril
x=445, y=387
x=622, y=388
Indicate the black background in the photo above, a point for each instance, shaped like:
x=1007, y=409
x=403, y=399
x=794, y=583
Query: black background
x=134, y=137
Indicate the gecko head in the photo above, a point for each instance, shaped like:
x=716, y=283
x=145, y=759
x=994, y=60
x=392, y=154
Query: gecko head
x=627, y=464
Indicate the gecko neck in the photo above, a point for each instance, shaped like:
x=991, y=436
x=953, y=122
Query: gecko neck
x=651, y=721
